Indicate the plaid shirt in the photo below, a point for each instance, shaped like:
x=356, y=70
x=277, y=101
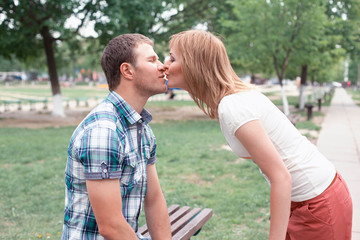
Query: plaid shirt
x=112, y=142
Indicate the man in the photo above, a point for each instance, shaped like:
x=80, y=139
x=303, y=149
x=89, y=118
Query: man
x=110, y=173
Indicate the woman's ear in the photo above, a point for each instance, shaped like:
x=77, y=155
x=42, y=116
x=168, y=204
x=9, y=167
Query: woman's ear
x=127, y=70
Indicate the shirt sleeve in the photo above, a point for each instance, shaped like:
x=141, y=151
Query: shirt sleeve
x=100, y=153
x=152, y=159
x=236, y=110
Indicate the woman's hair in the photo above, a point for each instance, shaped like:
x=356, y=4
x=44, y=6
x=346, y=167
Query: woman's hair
x=119, y=50
x=206, y=68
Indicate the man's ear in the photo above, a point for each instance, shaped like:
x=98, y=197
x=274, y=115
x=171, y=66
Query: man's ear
x=127, y=70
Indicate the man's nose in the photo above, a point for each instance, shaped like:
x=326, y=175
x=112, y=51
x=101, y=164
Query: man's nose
x=161, y=67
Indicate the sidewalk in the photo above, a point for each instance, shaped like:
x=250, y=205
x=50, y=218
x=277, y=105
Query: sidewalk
x=339, y=141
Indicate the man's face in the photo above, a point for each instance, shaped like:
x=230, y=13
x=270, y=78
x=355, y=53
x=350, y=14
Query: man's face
x=149, y=71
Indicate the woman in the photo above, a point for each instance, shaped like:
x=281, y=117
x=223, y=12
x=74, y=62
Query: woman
x=304, y=184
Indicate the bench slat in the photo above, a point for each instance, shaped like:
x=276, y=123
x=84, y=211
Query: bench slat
x=194, y=225
x=178, y=214
x=183, y=220
x=171, y=210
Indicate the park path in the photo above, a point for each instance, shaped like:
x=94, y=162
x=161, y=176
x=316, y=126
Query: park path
x=339, y=141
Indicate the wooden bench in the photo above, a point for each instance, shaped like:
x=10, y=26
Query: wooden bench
x=185, y=222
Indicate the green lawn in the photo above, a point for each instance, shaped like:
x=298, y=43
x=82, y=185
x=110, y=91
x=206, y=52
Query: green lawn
x=193, y=169
x=45, y=91
x=355, y=94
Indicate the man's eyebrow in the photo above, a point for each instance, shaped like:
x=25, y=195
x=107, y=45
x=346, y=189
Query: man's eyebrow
x=153, y=56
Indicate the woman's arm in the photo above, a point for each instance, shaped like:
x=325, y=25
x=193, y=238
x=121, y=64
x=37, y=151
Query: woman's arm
x=254, y=138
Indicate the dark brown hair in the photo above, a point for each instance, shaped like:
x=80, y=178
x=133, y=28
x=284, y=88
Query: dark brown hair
x=119, y=50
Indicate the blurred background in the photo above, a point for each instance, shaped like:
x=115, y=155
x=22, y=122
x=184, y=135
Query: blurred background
x=296, y=51
x=270, y=41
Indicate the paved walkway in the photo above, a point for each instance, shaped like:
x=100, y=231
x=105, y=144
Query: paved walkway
x=339, y=141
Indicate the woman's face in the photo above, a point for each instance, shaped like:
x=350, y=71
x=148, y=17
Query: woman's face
x=173, y=71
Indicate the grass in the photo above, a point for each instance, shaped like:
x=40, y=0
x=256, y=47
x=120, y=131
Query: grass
x=169, y=104
x=193, y=169
x=308, y=125
x=355, y=94
x=45, y=91
x=292, y=100
x=32, y=179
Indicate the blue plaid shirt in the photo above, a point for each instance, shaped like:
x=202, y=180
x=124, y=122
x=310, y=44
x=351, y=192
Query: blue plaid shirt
x=112, y=142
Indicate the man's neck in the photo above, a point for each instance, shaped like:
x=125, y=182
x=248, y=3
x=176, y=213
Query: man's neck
x=134, y=100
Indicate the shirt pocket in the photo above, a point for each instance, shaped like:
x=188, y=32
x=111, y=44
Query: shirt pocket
x=131, y=172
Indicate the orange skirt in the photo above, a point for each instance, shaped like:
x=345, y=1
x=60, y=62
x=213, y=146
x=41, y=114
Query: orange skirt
x=327, y=216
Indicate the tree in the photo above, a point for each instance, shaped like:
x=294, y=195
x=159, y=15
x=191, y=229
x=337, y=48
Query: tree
x=8, y=65
x=272, y=30
x=31, y=26
x=344, y=16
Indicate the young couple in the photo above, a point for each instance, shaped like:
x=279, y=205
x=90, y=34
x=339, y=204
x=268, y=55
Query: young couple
x=111, y=176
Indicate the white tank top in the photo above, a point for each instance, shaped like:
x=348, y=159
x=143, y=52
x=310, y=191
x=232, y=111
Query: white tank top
x=310, y=171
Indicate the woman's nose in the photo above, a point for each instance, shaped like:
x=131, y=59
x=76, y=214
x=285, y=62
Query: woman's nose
x=166, y=64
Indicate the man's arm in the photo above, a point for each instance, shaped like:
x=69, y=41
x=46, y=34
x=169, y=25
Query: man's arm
x=105, y=199
x=157, y=217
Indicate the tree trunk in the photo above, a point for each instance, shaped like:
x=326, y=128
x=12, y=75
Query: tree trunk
x=283, y=97
x=280, y=75
x=285, y=101
x=58, y=109
x=302, y=95
x=252, y=79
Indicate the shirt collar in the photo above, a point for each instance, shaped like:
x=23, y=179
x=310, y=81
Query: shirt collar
x=127, y=111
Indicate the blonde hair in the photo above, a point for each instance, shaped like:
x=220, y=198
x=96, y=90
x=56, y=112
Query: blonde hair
x=206, y=68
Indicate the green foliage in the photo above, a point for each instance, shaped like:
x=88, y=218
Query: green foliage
x=267, y=33
x=354, y=70
x=137, y=16
x=25, y=20
x=265, y=37
x=9, y=65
